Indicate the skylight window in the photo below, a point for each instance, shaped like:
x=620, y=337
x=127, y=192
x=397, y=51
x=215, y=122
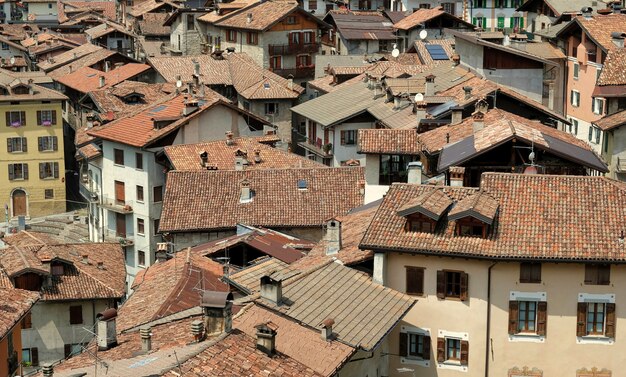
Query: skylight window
x=436, y=52
x=302, y=184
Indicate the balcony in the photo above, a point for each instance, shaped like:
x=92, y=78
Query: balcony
x=116, y=205
x=296, y=73
x=300, y=48
x=318, y=147
x=620, y=167
x=124, y=239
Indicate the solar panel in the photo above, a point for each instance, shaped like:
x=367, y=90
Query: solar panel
x=436, y=52
x=158, y=109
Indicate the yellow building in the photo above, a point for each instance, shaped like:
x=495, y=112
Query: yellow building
x=32, y=167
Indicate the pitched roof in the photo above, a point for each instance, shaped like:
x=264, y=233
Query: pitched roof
x=167, y=288
x=248, y=279
x=68, y=56
x=422, y=15
x=612, y=72
x=10, y=80
x=264, y=15
x=480, y=205
x=424, y=54
x=88, y=152
x=87, y=79
x=363, y=312
x=85, y=61
x=146, y=7
x=106, y=8
x=385, y=141
x=559, y=6
x=534, y=210
x=222, y=156
x=612, y=121
x=15, y=304
x=107, y=27
x=599, y=28
x=330, y=192
x=432, y=204
x=152, y=24
x=361, y=25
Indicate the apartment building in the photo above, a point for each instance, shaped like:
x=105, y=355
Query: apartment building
x=32, y=161
x=511, y=259
x=17, y=306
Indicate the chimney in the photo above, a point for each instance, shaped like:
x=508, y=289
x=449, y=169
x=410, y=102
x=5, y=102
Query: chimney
x=229, y=138
x=266, y=338
x=241, y=160
x=272, y=289
x=197, y=330
x=479, y=121
x=457, y=115
x=396, y=102
x=196, y=68
x=191, y=105
x=290, y=83
x=70, y=68
x=47, y=370
x=204, y=159
x=617, y=8
x=430, y=85
x=146, y=339
x=246, y=193
x=456, y=60
x=618, y=38
x=107, y=66
x=420, y=110
x=161, y=253
x=327, y=329
x=249, y=17
x=217, y=308
x=333, y=236
x=101, y=82
x=468, y=92
x=85, y=259
x=105, y=329
x=118, y=64
x=100, y=265
x=586, y=11
x=414, y=172
x=257, y=156
x=456, y=176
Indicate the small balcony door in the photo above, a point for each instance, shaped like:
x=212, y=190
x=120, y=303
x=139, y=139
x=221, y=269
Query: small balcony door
x=120, y=193
x=120, y=225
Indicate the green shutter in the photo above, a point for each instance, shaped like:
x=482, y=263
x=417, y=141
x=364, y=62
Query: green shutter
x=500, y=22
x=521, y=23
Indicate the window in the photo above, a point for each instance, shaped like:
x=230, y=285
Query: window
x=30, y=356
x=141, y=257
x=596, y=319
x=527, y=317
x=312, y=4
x=47, y=143
x=452, y=284
x=530, y=272
x=157, y=194
x=424, y=6
x=58, y=269
x=156, y=225
x=16, y=118
x=597, y=106
x=480, y=4
x=231, y=36
x=517, y=23
x=48, y=194
x=480, y=22
x=140, y=193
x=597, y=274
x=139, y=161
x=594, y=134
x=118, y=156
x=271, y=108
x=129, y=3
x=294, y=38
x=5, y=46
x=470, y=227
x=246, y=105
x=18, y=171
x=575, y=98
x=73, y=349
x=500, y=23
x=48, y=170
x=291, y=20
x=46, y=117
x=452, y=349
x=576, y=71
x=27, y=321
x=76, y=315
x=598, y=72
x=420, y=223
x=414, y=345
x=448, y=8
x=573, y=126
x=253, y=38
x=140, y=226
x=303, y=61
x=190, y=22
x=16, y=144
x=414, y=281
x=348, y=137
x=276, y=62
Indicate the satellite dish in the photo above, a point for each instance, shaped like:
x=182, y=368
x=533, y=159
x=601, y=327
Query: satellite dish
x=12, y=60
x=423, y=34
x=395, y=53
x=419, y=97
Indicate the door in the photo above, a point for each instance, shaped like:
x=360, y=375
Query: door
x=19, y=203
x=120, y=193
x=120, y=225
x=119, y=45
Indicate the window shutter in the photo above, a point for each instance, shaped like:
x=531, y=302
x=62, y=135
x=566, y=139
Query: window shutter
x=600, y=107
x=11, y=172
x=40, y=142
x=67, y=350
x=542, y=317
x=604, y=274
x=441, y=350
x=56, y=170
x=34, y=356
x=464, y=286
x=343, y=137
x=581, y=318
x=404, y=341
x=426, y=348
x=54, y=116
x=55, y=143
x=464, y=352
x=609, y=330
x=25, y=169
x=24, y=145
x=513, y=317
x=414, y=280
x=41, y=169
x=441, y=284
x=8, y=117
x=9, y=145
x=23, y=117
x=39, y=118
x=590, y=270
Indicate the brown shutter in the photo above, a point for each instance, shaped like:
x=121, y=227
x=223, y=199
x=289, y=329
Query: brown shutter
x=464, y=352
x=513, y=317
x=542, y=317
x=441, y=350
x=54, y=117
x=27, y=322
x=414, y=280
x=40, y=142
x=404, y=344
x=67, y=350
x=604, y=274
x=441, y=284
x=590, y=274
x=56, y=169
x=34, y=356
x=24, y=144
x=23, y=117
x=581, y=318
x=343, y=137
x=8, y=118
x=609, y=331
x=41, y=169
x=55, y=143
x=9, y=145
x=25, y=170
x=39, y=118
x=464, y=286
x=426, y=348
x=11, y=172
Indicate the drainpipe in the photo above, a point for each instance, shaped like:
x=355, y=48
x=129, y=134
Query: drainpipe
x=488, y=332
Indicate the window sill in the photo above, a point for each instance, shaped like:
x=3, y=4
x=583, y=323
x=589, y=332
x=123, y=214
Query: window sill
x=141, y=234
x=453, y=365
x=48, y=178
x=415, y=361
x=594, y=339
x=17, y=152
x=527, y=337
x=119, y=166
x=47, y=151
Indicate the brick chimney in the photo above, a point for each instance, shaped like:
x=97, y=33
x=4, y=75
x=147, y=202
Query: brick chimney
x=272, y=289
x=456, y=176
x=430, y=85
x=146, y=338
x=333, y=236
x=478, y=121
x=266, y=338
x=217, y=308
x=414, y=172
x=327, y=329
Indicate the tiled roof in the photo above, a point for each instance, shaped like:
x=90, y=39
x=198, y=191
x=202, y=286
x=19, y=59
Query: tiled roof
x=86, y=61
x=264, y=15
x=146, y=7
x=330, y=192
x=107, y=27
x=249, y=279
x=534, y=211
x=479, y=205
x=385, y=141
x=152, y=24
x=29, y=238
x=613, y=69
x=16, y=261
x=296, y=341
x=87, y=79
x=364, y=312
x=88, y=152
x=425, y=57
x=9, y=80
x=361, y=25
x=15, y=304
x=106, y=8
x=18, y=31
x=68, y=56
x=236, y=355
x=612, y=121
x=167, y=288
x=223, y=156
x=432, y=204
x=600, y=27
x=545, y=50
x=418, y=17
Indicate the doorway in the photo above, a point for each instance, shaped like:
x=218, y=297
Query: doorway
x=19, y=203
x=120, y=225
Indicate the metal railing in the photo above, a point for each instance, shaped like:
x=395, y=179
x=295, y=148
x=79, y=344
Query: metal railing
x=290, y=49
x=117, y=205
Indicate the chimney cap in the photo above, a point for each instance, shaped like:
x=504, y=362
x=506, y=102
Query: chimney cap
x=214, y=299
x=328, y=322
x=618, y=35
x=107, y=314
x=268, y=325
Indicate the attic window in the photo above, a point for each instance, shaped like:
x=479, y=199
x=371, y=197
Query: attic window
x=133, y=98
x=21, y=89
x=470, y=227
x=291, y=20
x=302, y=184
x=420, y=223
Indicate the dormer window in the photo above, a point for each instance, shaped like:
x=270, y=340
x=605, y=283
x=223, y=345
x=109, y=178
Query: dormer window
x=21, y=89
x=470, y=227
x=424, y=212
x=474, y=214
x=420, y=223
x=57, y=269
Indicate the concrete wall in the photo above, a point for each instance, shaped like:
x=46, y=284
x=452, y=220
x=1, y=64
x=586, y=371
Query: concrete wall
x=616, y=149
x=367, y=363
x=43, y=9
x=188, y=41
x=372, y=169
x=347, y=152
x=282, y=120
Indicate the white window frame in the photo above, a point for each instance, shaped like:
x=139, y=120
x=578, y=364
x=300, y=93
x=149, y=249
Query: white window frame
x=576, y=71
x=50, y=141
x=21, y=143
x=593, y=298
x=598, y=105
x=528, y=296
x=411, y=359
x=573, y=126
x=575, y=94
x=452, y=335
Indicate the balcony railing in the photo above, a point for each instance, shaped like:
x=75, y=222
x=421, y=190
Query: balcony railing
x=318, y=147
x=297, y=73
x=125, y=239
x=300, y=48
x=116, y=205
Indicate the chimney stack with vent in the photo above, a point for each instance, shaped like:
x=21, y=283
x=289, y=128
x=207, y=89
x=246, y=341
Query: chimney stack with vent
x=414, y=172
x=327, y=329
x=229, y=138
x=333, y=236
x=272, y=289
x=47, y=370
x=456, y=176
x=457, y=115
x=257, y=156
x=246, y=193
x=586, y=12
x=191, y=105
x=85, y=259
x=100, y=265
x=161, y=253
x=218, y=316
x=197, y=330
x=146, y=339
x=478, y=120
x=249, y=18
x=105, y=329
x=266, y=338
x=468, y=92
x=456, y=60
x=430, y=85
x=618, y=38
x=420, y=110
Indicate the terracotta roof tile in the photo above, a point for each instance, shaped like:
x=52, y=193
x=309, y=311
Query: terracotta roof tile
x=612, y=121
x=600, y=27
x=386, y=141
x=480, y=205
x=361, y=25
x=68, y=56
x=425, y=57
x=432, y=204
x=330, y=192
x=110, y=103
x=86, y=61
x=15, y=304
x=88, y=152
x=264, y=15
x=152, y=24
x=106, y=8
x=87, y=79
x=534, y=210
x=107, y=27
x=145, y=7
x=613, y=69
x=249, y=278
x=418, y=17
